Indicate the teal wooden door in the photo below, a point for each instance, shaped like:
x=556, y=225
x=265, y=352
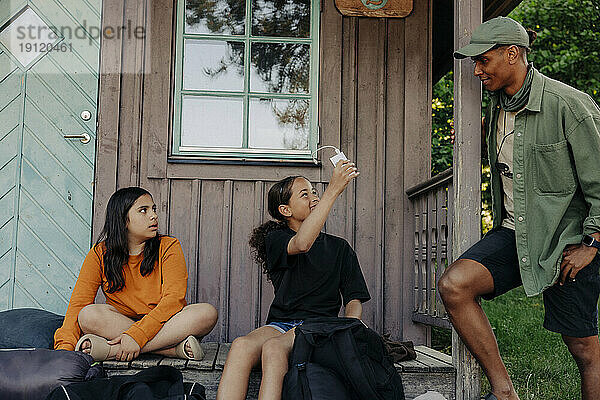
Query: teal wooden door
x=49, y=59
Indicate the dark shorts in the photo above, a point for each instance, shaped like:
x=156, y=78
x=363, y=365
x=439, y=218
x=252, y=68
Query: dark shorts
x=570, y=309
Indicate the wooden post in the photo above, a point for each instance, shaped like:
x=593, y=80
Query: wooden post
x=467, y=176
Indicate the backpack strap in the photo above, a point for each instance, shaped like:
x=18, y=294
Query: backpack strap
x=303, y=348
x=154, y=374
x=66, y=393
x=347, y=353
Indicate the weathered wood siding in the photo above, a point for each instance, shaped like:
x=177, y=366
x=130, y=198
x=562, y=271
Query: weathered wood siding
x=374, y=103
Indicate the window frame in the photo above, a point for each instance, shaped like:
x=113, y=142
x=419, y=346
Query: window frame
x=246, y=153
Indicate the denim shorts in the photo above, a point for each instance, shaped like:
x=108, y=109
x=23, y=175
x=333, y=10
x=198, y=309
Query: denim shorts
x=570, y=309
x=283, y=327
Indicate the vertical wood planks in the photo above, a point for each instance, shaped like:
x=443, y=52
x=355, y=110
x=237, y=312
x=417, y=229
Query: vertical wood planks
x=380, y=175
x=429, y=202
x=267, y=294
x=330, y=84
x=423, y=235
x=370, y=63
x=255, y=270
x=417, y=126
x=184, y=226
x=348, y=116
x=330, y=105
x=417, y=104
x=467, y=175
x=374, y=105
x=157, y=105
x=432, y=250
x=131, y=100
x=105, y=181
x=242, y=271
x=394, y=284
x=225, y=253
x=212, y=263
x=442, y=250
x=416, y=254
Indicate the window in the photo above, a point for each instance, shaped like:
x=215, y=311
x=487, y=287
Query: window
x=246, y=79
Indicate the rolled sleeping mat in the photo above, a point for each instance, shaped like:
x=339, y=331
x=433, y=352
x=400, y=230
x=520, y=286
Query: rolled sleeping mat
x=31, y=374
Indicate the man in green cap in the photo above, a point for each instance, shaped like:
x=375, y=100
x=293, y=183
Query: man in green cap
x=543, y=143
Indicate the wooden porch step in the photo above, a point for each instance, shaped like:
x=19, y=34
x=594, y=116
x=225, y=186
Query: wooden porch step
x=431, y=370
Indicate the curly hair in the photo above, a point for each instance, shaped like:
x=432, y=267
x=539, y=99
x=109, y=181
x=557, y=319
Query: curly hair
x=280, y=193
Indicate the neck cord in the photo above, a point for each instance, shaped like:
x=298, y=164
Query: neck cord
x=505, y=136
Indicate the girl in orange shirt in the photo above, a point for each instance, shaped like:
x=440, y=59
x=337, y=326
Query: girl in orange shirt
x=144, y=279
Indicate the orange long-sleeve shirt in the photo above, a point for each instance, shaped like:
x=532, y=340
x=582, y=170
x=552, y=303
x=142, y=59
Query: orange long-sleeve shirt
x=154, y=298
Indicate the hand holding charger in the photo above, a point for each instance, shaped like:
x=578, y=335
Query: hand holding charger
x=339, y=156
x=343, y=173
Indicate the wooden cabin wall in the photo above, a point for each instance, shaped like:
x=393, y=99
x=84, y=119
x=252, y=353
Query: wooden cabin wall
x=374, y=104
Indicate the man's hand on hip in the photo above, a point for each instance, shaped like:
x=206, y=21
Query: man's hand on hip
x=575, y=258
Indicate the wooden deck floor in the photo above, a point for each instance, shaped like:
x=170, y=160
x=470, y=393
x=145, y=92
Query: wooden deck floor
x=431, y=370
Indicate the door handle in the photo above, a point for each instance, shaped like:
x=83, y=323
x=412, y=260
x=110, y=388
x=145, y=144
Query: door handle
x=84, y=137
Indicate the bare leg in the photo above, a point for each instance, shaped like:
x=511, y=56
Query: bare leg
x=194, y=319
x=460, y=287
x=275, y=354
x=586, y=352
x=244, y=354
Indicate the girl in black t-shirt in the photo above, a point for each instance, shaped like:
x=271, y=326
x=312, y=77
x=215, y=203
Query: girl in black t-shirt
x=312, y=273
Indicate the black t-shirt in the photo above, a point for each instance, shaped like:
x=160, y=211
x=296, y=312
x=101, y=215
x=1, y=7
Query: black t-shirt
x=314, y=283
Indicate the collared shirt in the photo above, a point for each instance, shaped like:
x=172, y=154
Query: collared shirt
x=504, y=152
x=556, y=176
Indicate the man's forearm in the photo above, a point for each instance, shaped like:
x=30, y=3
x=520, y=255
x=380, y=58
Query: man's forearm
x=353, y=309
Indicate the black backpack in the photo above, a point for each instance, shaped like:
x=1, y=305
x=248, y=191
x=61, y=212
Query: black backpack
x=154, y=383
x=340, y=359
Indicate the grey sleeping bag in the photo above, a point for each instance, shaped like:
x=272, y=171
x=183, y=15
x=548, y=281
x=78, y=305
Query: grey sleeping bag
x=31, y=374
x=28, y=327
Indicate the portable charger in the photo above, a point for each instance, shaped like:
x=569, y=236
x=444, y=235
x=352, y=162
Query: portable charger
x=339, y=155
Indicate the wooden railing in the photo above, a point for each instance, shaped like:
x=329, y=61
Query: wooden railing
x=431, y=203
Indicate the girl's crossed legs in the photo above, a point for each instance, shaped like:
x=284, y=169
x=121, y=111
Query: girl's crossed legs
x=266, y=344
x=104, y=320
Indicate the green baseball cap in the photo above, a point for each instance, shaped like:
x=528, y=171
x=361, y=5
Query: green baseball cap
x=499, y=30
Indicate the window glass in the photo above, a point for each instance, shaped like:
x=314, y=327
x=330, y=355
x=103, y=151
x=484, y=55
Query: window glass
x=279, y=124
x=246, y=78
x=211, y=122
x=222, y=17
x=287, y=18
x=280, y=68
x=213, y=65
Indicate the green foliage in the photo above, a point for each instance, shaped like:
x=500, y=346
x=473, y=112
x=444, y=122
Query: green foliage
x=567, y=49
x=441, y=145
x=442, y=109
x=441, y=340
x=568, y=44
x=537, y=360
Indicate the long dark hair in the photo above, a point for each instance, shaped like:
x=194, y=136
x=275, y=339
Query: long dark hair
x=280, y=193
x=114, y=235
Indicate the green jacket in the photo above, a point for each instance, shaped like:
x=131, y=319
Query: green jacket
x=556, y=175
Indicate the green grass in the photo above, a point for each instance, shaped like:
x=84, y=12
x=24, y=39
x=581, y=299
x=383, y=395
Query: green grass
x=537, y=360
